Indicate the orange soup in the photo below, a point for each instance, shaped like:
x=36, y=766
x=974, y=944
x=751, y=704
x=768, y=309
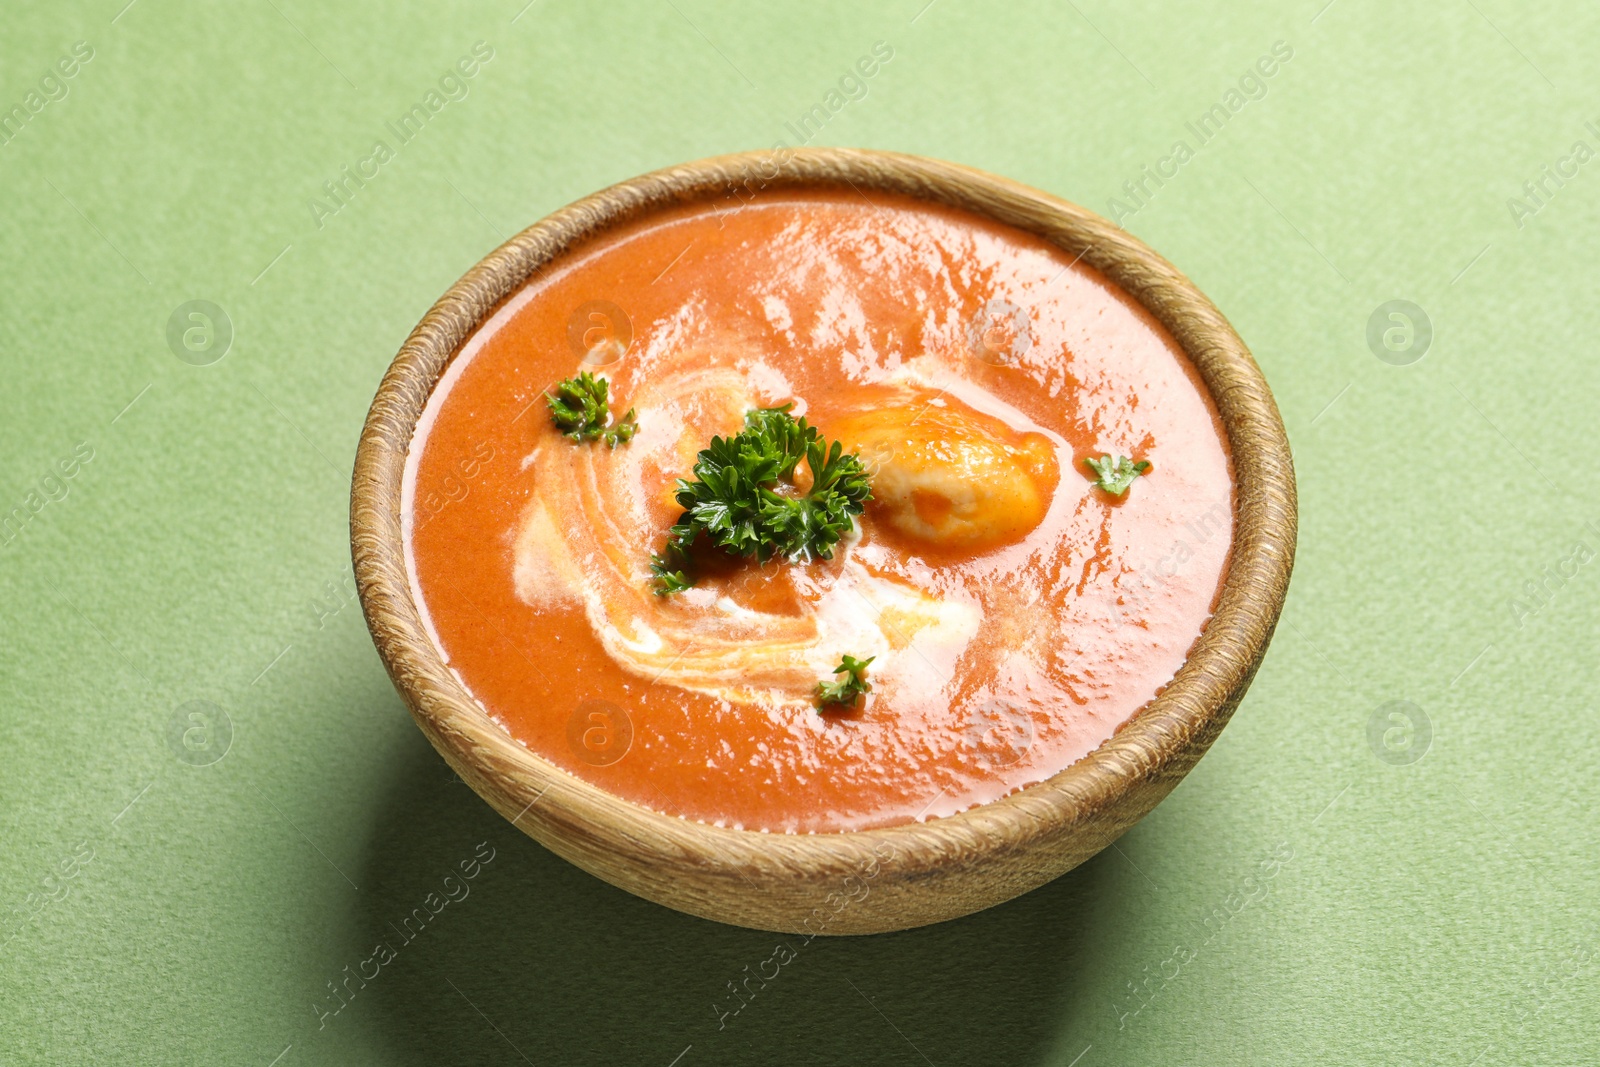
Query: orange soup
x=1016, y=612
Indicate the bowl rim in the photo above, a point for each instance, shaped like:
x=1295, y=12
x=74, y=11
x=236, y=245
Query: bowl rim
x=697, y=866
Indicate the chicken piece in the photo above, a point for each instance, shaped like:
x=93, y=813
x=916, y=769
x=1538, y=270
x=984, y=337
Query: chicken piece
x=951, y=476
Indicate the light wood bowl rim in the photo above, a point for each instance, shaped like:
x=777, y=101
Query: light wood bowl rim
x=921, y=872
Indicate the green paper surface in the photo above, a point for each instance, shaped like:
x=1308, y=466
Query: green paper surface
x=1344, y=879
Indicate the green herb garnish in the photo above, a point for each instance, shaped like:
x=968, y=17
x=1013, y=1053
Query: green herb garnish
x=669, y=579
x=742, y=496
x=580, y=409
x=854, y=684
x=1115, y=475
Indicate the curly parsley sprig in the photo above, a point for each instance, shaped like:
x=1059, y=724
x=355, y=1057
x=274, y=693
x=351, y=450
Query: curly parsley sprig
x=853, y=685
x=1115, y=475
x=580, y=409
x=742, y=497
x=668, y=570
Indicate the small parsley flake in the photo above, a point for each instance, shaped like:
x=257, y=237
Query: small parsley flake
x=579, y=408
x=1115, y=475
x=853, y=685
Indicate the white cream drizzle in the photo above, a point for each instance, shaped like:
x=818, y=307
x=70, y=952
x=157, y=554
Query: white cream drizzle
x=585, y=538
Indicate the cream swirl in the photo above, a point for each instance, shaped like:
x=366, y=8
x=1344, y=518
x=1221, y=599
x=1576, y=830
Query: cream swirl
x=586, y=535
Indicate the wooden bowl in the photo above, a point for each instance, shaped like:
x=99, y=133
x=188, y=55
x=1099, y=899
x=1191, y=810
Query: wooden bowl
x=872, y=880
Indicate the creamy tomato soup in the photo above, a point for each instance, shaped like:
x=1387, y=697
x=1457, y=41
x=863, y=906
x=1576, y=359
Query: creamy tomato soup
x=1017, y=613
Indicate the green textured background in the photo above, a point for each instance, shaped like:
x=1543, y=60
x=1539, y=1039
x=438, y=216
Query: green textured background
x=1442, y=910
